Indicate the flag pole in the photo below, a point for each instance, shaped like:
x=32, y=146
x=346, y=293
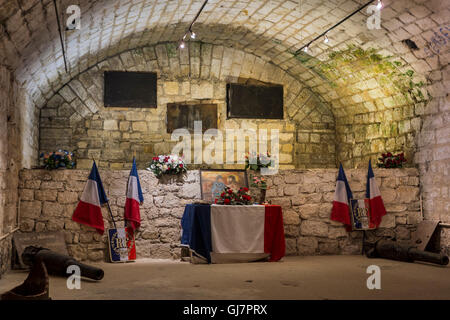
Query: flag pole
x=110, y=213
x=109, y=208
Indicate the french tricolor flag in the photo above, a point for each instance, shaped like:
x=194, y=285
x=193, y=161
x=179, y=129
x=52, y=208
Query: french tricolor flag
x=89, y=210
x=341, y=202
x=134, y=198
x=377, y=210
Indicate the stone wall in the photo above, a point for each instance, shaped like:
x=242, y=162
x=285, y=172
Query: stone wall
x=5, y=254
x=75, y=118
x=48, y=199
x=10, y=163
x=306, y=197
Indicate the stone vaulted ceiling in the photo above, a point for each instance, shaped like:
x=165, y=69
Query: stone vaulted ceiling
x=270, y=29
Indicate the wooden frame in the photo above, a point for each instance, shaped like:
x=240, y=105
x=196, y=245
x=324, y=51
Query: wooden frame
x=209, y=177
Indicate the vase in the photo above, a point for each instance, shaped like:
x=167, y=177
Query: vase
x=262, y=196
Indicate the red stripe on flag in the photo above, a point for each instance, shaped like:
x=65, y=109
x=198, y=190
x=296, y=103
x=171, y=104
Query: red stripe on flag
x=90, y=215
x=341, y=213
x=274, y=242
x=132, y=213
x=377, y=210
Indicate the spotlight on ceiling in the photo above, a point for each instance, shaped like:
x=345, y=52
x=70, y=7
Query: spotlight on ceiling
x=379, y=5
x=193, y=35
x=305, y=49
x=326, y=40
x=182, y=45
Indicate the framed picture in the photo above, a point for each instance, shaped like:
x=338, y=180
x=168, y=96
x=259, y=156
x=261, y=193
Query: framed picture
x=214, y=181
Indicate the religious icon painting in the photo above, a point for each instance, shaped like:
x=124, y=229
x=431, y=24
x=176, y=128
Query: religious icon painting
x=214, y=181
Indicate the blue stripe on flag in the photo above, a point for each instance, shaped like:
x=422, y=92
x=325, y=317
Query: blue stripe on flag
x=135, y=173
x=342, y=177
x=369, y=176
x=94, y=175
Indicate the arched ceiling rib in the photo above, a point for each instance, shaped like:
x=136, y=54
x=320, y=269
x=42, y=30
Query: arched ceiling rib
x=270, y=29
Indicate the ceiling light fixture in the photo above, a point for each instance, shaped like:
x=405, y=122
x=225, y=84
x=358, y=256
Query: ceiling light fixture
x=326, y=40
x=189, y=31
x=337, y=24
x=379, y=5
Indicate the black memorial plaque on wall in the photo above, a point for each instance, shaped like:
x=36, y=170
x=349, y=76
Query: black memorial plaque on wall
x=254, y=101
x=182, y=115
x=130, y=89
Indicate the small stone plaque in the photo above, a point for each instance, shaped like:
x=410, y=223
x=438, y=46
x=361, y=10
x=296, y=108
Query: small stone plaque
x=54, y=241
x=183, y=116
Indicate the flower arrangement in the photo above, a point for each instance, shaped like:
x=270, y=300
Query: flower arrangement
x=388, y=160
x=58, y=159
x=230, y=197
x=259, y=182
x=167, y=164
x=262, y=161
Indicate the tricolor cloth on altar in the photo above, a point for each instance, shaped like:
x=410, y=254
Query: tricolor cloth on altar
x=221, y=233
x=134, y=198
x=88, y=211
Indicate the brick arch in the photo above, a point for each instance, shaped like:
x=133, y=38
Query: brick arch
x=75, y=117
x=29, y=44
x=271, y=30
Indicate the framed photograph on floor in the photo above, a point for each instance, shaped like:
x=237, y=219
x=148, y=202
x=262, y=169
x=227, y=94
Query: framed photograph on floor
x=214, y=181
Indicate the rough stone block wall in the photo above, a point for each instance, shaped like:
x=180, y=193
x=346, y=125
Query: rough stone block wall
x=5, y=254
x=48, y=199
x=76, y=119
x=307, y=195
x=10, y=163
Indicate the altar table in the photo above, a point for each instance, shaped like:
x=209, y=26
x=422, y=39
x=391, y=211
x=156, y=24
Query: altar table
x=233, y=233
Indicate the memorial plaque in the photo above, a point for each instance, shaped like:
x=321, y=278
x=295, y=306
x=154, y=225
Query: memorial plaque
x=183, y=116
x=54, y=241
x=254, y=101
x=130, y=89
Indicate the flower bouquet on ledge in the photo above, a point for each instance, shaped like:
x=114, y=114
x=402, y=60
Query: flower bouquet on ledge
x=261, y=184
x=58, y=159
x=388, y=160
x=262, y=161
x=230, y=197
x=171, y=164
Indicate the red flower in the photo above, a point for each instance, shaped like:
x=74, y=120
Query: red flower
x=155, y=158
x=215, y=201
x=245, y=189
x=227, y=201
x=222, y=194
x=230, y=191
x=181, y=165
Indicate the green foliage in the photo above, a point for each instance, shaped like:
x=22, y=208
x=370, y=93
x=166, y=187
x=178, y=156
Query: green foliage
x=389, y=73
x=58, y=159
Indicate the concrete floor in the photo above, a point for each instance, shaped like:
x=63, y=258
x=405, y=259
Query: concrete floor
x=318, y=277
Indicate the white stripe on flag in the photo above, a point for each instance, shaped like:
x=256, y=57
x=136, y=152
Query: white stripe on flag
x=122, y=244
x=132, y=192
x=237, y=229
x=374, y=191
x=90, y=193
x=340, y=194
